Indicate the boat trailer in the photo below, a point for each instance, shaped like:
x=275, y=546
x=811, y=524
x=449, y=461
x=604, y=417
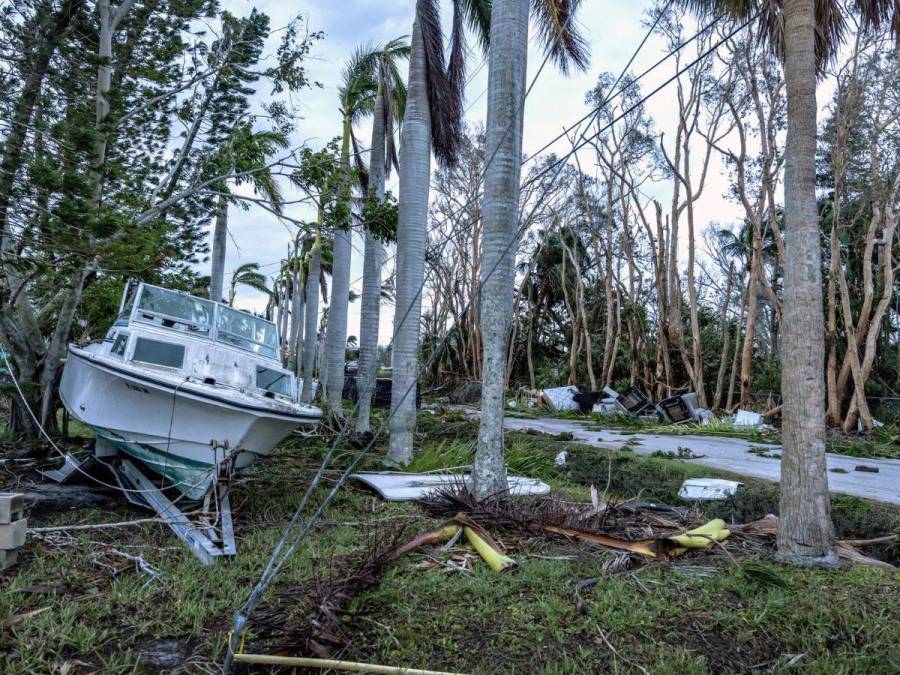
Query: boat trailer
x=209, y=537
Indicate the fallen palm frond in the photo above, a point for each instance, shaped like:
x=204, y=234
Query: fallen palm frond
x=524, y=514
x=647, y=534
x=308, y=619
x=645, y=547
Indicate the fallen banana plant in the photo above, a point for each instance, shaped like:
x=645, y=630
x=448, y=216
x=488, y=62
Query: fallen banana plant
x=481, y=541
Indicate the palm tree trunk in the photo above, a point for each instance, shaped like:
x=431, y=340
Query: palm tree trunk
x=311, y=320
x=371, y=291
x=336, y=330
x=412, y=218
x=805, y=530
x=506, y=96
x=296, y=315
x=220, y=241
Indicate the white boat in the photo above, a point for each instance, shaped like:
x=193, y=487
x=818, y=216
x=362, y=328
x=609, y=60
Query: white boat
x=192, y=389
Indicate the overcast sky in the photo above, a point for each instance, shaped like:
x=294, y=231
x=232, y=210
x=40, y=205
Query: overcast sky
x=613, y=29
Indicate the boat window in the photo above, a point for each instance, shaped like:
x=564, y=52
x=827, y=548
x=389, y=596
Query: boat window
x=246, y=331
x=277, y=381
x=125, y=314
x=158, y=353
x=175, y=310
x=118, y=348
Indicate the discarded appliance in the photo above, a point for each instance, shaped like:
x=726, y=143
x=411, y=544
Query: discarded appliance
x=708, y=489
x=560, y=398
x=675, y=410
x=747, y=418
x=189, y=389
x=703, y=415
x=402, y=487
x=633, y=401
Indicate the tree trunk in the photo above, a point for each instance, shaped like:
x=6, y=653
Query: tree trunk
x=336, y=330
x=297, y=297
x=311, y=329
x=726, y=335
x=750, y=326
x=217, y=261
x=371, y=290
x=805, y=530
x=412, y=221
x=506, y=96
x=53, y=31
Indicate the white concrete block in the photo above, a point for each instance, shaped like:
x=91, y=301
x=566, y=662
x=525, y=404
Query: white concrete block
x=13, y=534
x=12, y=507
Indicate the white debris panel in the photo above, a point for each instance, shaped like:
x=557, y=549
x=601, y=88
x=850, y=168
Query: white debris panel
x=403, y=487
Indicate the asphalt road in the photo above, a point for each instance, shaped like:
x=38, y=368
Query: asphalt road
x=731, y=454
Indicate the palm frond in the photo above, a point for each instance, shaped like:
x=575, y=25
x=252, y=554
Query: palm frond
x=559, y=33
x=877, y=14
x=362, y=171
x=358, y=84
x=478, y=16
x=443, y=102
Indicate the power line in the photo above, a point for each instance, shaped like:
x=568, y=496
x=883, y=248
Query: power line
x=273, y=567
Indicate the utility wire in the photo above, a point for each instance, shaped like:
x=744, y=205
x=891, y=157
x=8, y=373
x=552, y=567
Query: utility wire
x=273, y=567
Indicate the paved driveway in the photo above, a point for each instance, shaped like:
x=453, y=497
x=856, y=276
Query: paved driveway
x=730, y=454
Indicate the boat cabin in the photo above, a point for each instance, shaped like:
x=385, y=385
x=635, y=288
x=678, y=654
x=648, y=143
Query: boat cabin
x=178, y=334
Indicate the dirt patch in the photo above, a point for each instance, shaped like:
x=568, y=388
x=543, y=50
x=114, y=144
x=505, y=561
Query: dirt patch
x=44, y=501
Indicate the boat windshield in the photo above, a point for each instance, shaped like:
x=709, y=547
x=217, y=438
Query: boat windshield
x=175, y=310
x=276, y=381
x=246, y=331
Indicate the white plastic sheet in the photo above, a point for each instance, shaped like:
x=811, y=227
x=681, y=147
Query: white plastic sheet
x=708, y=489
x=403, y=487
x=560, y=398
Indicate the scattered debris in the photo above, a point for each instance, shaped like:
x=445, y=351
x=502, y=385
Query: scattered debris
x=747, y=418
x=708, y=489
x=762, y=451
x=681, y=453
x=767, y=527
x=675, y=410
x=875, y=424
x=561, y=458
x=633, y=401
x=560, y=398
x=866, y=469
x=401, y=487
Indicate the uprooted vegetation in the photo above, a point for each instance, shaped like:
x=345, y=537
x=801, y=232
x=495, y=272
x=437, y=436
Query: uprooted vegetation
x=72, y=599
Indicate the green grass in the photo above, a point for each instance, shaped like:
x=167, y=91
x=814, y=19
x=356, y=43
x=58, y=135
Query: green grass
x=664, y=619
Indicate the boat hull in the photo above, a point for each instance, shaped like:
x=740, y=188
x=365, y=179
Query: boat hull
x=181, y=430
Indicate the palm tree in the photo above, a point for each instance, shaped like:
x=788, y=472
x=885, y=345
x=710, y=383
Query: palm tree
x=248, y=275
x=503, y=136
x=432, y=121
x=806, y=34
x=250, y=150
x=389, y=101
x=357, y=99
